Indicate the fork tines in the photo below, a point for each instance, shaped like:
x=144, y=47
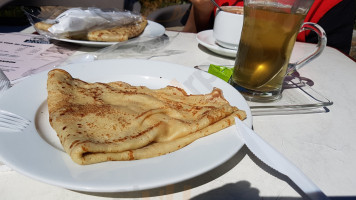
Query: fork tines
x=12, y=121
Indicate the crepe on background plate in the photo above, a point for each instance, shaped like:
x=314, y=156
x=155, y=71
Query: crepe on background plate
x=114, y=34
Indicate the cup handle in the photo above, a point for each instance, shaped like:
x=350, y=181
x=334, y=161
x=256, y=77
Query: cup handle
x=319, y=47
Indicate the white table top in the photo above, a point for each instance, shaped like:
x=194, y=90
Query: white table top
x=322, y=145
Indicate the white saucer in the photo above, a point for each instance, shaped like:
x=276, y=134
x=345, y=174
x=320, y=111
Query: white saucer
x=207, y=39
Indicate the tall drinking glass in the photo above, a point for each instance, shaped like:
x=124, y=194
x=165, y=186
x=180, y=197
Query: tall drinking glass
x=268, y=35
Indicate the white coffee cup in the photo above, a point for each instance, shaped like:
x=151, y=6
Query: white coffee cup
x=227, y=26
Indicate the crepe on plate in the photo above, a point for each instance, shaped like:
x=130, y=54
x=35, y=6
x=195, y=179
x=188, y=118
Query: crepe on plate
x=114, y=34
x=99, y=122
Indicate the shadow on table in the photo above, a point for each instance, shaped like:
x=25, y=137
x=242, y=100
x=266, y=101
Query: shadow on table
x=243, y=190
x=207, y=51
x=232, y=191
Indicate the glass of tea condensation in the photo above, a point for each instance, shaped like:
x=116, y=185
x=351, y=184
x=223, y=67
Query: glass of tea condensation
x=268, y=35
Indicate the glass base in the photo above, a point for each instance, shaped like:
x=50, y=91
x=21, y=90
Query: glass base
x=257, y=96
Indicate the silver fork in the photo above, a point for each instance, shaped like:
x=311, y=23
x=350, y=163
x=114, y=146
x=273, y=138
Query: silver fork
x=12, y=121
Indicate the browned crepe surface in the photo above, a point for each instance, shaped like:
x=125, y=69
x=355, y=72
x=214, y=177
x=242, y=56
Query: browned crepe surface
x=118, y=34
x=99, y=122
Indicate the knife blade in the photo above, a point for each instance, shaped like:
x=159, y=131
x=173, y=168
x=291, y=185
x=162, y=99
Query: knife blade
x=271, y=157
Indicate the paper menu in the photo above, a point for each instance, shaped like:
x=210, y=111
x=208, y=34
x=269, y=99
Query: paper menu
x=24, y=54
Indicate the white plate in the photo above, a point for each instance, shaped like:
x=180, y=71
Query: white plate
x=152, y=30
x=207, y=39
x=37, y=153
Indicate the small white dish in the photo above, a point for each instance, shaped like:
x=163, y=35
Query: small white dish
x=206, y=38
x=152, y=30
x=37, y=153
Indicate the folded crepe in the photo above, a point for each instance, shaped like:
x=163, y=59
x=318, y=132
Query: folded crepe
x=99, y=122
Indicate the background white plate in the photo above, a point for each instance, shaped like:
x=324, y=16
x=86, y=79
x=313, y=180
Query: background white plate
x=36, y=152
x=206, y=38
x=152, y=30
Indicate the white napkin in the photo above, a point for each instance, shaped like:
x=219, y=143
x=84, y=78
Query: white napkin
x=77, y=19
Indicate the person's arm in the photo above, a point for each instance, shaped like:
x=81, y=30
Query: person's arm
x=200, y=16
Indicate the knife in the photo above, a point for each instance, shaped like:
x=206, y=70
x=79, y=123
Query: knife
x=277, y=161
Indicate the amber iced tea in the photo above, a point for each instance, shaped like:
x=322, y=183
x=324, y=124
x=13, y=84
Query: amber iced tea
x=266, y=43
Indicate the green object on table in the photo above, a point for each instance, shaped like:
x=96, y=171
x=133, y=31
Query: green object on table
x=220, y=71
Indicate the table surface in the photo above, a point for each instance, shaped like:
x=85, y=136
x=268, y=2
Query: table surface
x=322, y=145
